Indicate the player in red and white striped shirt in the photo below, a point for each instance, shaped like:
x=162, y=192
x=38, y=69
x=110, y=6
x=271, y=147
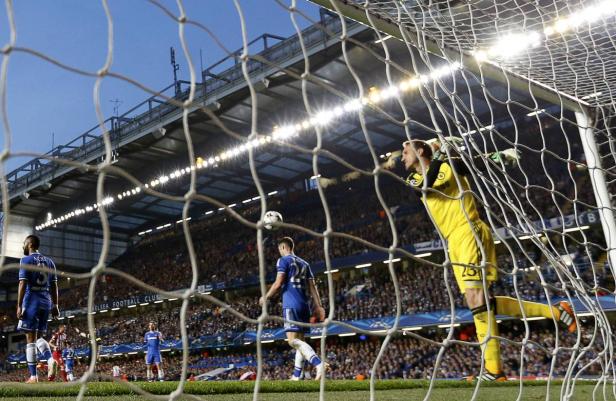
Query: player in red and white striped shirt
x=58, y=343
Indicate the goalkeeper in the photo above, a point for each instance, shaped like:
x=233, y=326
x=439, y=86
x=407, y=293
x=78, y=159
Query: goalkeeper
x=455, y=214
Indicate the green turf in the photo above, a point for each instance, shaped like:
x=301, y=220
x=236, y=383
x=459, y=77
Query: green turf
x=389, y=390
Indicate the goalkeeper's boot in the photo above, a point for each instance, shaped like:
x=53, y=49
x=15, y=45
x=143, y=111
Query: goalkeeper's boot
x=567, y=317
x=321, y=369
x=487, y=377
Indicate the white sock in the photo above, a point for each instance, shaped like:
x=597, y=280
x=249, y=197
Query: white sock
x=298, y=366
x=31, y=356
x=161, y=374
x=70, y=377
x=43, y=347
x=306, y=350
x=149, y=373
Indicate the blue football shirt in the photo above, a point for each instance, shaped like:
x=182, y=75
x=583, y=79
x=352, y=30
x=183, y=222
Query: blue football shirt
x=38, y=283
x=295, y=287
x=153, y=339
x=68, y=354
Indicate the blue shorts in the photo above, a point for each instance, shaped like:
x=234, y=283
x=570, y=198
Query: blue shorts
x=152, y=357
x=68, y=365
x=35, y=314
x=298, y=315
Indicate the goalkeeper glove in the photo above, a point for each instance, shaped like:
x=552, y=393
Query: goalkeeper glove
x=439, y=149
x=509, y=157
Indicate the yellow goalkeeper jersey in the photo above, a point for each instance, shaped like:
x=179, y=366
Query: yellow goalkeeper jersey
x=446, y=210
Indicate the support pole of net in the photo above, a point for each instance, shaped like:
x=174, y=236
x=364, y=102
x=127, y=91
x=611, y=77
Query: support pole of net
x=599, y=186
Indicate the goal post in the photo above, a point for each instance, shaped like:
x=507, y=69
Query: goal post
x=597, y=177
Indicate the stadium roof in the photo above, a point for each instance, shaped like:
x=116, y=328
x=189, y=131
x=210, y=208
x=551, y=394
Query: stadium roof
x=149, y=139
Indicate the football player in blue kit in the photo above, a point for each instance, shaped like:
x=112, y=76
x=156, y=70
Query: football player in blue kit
x=68, y=354
x=153, y=339
x=296, y=283
x=37, y=295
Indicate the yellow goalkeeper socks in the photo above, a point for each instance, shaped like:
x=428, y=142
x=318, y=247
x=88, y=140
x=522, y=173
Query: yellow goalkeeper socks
x=481, y=316
x=511, y=307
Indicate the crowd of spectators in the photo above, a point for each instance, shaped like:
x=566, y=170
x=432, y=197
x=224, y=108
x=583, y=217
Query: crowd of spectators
x=230, y=255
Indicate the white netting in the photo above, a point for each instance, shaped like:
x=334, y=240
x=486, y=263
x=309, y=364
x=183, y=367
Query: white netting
x=334, y=103
x=565, y=45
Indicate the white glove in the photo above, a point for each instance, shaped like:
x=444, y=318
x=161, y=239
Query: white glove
x=440, y=149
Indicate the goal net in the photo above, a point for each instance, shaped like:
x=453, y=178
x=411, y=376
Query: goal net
x=497, y=266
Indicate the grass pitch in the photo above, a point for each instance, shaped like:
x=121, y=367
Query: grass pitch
x=387, y=390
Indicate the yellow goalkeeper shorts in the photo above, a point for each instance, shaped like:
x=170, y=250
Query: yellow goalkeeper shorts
x=465, y=255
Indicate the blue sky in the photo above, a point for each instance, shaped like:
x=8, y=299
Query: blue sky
x=44, y=99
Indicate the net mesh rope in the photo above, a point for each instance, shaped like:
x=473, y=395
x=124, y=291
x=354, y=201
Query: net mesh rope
x=577, y=65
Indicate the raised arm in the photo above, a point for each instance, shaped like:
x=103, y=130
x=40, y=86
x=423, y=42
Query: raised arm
x=509, y=157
